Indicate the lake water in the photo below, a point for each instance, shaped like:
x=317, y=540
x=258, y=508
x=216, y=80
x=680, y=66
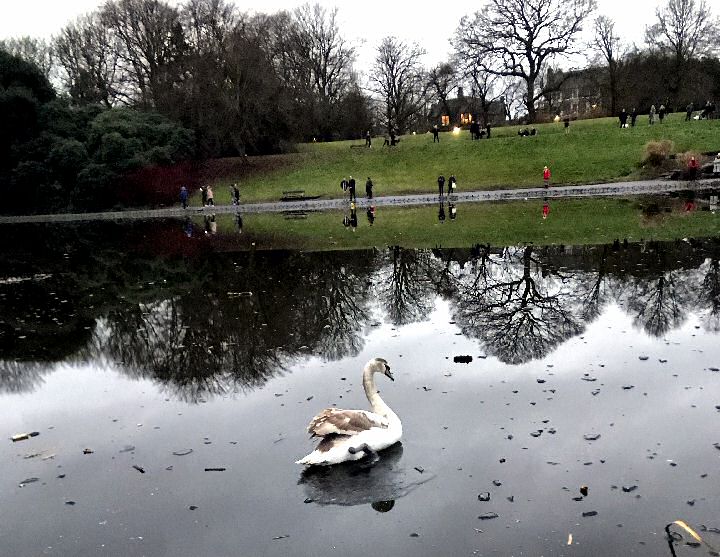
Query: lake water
x=125, y=349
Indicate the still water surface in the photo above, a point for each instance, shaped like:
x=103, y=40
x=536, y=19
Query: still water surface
x=110, y=343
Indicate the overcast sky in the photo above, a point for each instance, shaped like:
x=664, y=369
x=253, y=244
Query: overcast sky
x=432, y=25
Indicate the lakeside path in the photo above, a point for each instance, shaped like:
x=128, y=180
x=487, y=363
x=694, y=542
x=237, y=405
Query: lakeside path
x=554, y=192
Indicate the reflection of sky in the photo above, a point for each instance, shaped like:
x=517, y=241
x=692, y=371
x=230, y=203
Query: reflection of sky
x=257, y=436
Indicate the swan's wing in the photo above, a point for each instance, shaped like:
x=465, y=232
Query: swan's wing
x=344, y=422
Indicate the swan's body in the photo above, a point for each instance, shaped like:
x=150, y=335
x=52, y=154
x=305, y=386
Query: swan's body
x=351, y=434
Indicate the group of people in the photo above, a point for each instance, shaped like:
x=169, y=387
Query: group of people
x=350, y=187
x=452, y=184
x=526, y=133
x=477, y=133
x=208, y=196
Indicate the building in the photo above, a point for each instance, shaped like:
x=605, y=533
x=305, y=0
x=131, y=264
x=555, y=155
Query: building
x=576, y=93
x=462, y=111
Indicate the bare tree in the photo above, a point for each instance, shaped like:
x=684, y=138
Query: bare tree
x=441, y=80
x=606, y=43
x=208, y=24
x=87, y=52
x=153, y=46
x=684, y=30
x=37, y=51
x=396, y=77
x=523, y=36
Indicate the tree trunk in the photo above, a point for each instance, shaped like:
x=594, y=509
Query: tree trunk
x=530, y=99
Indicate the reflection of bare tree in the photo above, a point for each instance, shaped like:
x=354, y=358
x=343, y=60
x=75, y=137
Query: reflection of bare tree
x=21, y=377
x=520, y=311
x=654, y=304
x=709, y=296
x=405, y=287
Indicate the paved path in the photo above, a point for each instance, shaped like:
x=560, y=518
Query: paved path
x=588, y=190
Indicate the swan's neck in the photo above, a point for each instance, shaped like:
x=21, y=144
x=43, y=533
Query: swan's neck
x=378, y=404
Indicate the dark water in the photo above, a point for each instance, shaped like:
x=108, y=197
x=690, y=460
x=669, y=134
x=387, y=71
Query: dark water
x=134, y=348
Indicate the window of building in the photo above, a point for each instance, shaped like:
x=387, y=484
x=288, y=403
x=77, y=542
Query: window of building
x=465, y=118
x=445, y=120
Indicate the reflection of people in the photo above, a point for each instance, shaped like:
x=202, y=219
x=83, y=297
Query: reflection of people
x=371, y=214
x=441, y=212
x=441, y=185
x=188, y=228
x=353, y=218
x=546, y=209
x=183, y=196
x=239, y=222
x=452, y=210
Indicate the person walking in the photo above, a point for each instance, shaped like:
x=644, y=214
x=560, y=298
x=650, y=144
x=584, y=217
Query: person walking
x=203, y=195
x=351, y=189
x=436, y=134
x=566, y=123
x=369, y=188
x=368, y=139
x=688, y=112
x=344, y=185
x=452, y=184
x=546, y=177
x=623, y=118
x=441, y=185
x=210, y=196
x=633, y=117
x=661, y=113
x=651, y=116
x=693, y=168
x=235, y=194
x=487, y=129
x=183, y=196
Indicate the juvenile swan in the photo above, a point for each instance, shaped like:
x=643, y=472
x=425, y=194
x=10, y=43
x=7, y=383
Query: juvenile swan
x=352, y=434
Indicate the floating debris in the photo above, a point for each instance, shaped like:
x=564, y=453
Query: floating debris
x=484, y=497
x=584, y=490
x=629, y=488
x=70, y=503
x=463, y=359
x=24, y=436
x=139, y=468
x=127, y=449
x=420, y=469
x=488, y=516
x=215, y=469
x=28, y=481
x=497, y=483
x=193, y=507
x=643, y=358
x=88, y=451
x=281, y=537
x=591, y=436
x=182, y=452
x=628, y=387
x=589, y=513
x=414, y=535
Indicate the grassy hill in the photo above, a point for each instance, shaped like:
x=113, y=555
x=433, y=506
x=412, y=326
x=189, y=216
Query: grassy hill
x=593, y=151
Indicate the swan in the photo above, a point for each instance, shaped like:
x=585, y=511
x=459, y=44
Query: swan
x=353, y=434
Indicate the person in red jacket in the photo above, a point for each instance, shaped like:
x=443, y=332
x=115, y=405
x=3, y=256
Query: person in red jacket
x=546, y=176
x=693, y=168
x=546, y=209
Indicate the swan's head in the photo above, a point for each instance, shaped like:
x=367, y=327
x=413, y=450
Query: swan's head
x=379, y=365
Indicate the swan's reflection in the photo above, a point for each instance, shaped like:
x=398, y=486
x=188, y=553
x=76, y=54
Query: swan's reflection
x=359, y=483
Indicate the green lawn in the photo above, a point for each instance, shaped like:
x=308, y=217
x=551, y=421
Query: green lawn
x=593, y=151
x=572, y=222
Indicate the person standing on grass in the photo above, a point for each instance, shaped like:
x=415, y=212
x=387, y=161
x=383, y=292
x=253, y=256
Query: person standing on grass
x=441, y=185
x=661, y=113
x=688, y=112
x=633, y=117
x=183, y=196
x=452, y=184
x=436, y=134
x=651, y=116
x=203, y=195
x=716, y=164
x=546, y=177
x=693, y=168
x=343, y=184
x=210, y=196
x=351, y=188
x=235, y=194
x=368, y=139
x=566, y=123
x=369, y=188
x=623, y=118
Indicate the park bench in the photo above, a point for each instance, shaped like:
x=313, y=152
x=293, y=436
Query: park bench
x=293, y=195
x=294, y=215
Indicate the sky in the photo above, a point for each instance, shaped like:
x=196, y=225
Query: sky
x=365, y=22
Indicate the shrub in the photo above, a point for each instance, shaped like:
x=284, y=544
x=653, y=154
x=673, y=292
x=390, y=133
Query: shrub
x=657, y=152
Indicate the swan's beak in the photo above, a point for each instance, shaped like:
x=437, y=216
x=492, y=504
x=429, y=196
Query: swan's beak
x=389, y=375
